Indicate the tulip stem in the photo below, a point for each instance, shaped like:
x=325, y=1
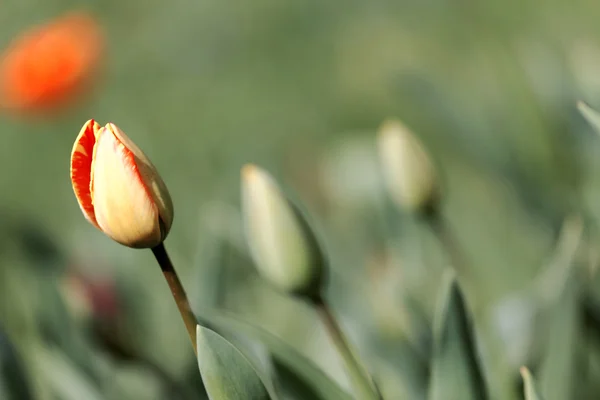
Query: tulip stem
x=359, y=377
x=181, y=299
x=441, y=230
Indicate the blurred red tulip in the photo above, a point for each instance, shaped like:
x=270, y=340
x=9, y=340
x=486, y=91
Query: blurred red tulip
x=48, y=65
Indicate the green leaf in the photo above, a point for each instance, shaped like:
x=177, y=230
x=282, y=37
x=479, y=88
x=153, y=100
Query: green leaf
x=455, y=372
x=12, y=373
x=226, y=372
x=531, y=392
x=291, y=385
x=314, y=378
x=592, y=116
x=560, y=293
x=64, y=378
x=410, y=370
x=558, y=367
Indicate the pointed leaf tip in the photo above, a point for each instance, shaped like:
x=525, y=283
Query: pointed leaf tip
x=591, y=116
x=456, y=372
x=227, y=374
x=531, y=392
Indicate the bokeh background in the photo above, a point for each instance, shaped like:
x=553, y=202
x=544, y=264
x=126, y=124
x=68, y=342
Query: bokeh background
x=300, y=88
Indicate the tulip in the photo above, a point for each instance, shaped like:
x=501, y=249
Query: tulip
x=287, y=254
x=52, y=64
x=118, y=189
x=407, y=170
x=281, y=245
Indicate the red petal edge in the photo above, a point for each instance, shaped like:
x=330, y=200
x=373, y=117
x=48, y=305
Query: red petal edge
x=81, y=168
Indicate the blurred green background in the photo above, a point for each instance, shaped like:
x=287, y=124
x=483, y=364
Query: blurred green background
x=300, y=88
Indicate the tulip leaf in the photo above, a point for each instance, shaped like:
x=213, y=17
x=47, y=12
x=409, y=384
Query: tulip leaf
x=291, y=385
x=313, y=378
x=12, y=371
x=558, y=367
x=227, y=374
x=591, y=313
x=64, y=378
x=592, y=116
x=455, y=371
x=531, y=391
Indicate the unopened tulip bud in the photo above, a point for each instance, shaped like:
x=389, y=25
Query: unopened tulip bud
x=408, y=172
x=118, y=189
x=282, y=246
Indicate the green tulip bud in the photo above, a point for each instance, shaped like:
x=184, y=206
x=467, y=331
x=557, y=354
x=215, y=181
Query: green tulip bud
x=408, y=172
x=281, y=244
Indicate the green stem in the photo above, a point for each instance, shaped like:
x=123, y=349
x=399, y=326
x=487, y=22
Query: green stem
x=177, y=291
x=440, y=228
x=359, y=377
x=452, y=249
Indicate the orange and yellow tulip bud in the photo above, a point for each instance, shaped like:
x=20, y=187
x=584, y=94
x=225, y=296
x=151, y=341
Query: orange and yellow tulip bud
x=118, y=189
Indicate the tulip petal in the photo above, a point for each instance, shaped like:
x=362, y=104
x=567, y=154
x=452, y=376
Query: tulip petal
x=123, y=206
x=149, y=176
x=81, y=165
